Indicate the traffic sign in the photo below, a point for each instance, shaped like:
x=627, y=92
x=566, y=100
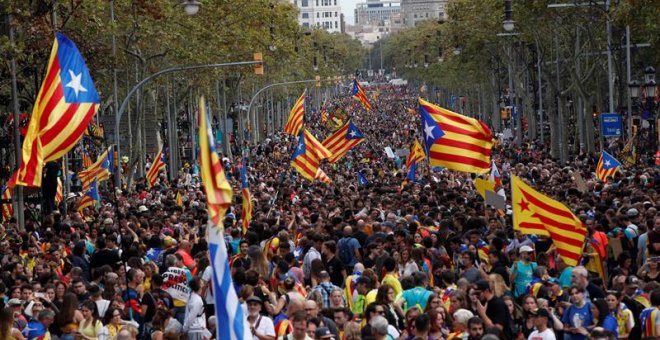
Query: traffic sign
x=611, y=124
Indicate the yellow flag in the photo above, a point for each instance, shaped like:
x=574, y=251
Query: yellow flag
x=179, y=200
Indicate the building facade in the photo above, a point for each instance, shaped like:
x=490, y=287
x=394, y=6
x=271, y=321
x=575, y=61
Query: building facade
x=376, y=12
x=324, y=14
x=414, y=11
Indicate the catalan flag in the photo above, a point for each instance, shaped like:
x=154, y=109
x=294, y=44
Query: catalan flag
x=323, y=177
x=218, y=191
x=99, y=171
x=90, y=198
x=454, y=141
x=59, y=194
x=96, y=131
x=65, y=105
x=308, y=155
x=246, y=213
x=343, y=140
x=7, y=208
x=607, y=166
x=358, y=93
x=296, y=116
x=86, y=160
x=157, y=165
x=416, y=154
x=535, y=213
x=411, y=172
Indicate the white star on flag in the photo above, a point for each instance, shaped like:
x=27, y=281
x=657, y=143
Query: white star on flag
x=76, y=83
x=428, y=130
x=353, y=133
x=607, y=163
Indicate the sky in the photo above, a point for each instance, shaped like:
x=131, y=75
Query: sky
x=348, y=8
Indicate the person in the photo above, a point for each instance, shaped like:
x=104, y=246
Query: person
x=299, y=321
x=650, y=317
x=349, y=250
x=604, y=317
x=542, y=331
x=578, y=317
x=261, y=326
x=461, y=318
x=90, y=326
x=379, y=327
x=195, y=319
x=475, y=328
x=7, y=331
x=580, y=278
x=491, y=309
x=312, y=310
x=418, y=295
x=393, y=312
x=522, y=271
x=622, y=313
x=325, y=288
x=38, y=329
x=69, y=317
x=390, y=278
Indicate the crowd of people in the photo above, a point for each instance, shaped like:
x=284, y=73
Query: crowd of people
x=426, y=260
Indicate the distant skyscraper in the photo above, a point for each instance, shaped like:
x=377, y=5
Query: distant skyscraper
x=325, y=14
x=376, y=12
x=414, y=11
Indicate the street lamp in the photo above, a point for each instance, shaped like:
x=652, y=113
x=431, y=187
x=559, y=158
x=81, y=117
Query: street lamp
x=191, y=7
x=457, y=50
x=508, y=22
x=650, y=84
x=634, y=86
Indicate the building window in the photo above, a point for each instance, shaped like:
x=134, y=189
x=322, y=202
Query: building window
x=336, y=24
x=318, y=15
x=317, y=3
x=335, y=2
x=305, y=15
x=336, y=15
x=304, y=3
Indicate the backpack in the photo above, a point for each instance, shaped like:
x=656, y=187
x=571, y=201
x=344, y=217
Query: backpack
x=345, y=253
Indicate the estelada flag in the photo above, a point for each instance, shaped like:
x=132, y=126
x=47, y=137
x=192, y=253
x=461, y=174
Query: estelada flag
x=308, y=155
x=343, y=140
x=535, y=213
x=65, y=105
x=454, y=141
x=358, y=93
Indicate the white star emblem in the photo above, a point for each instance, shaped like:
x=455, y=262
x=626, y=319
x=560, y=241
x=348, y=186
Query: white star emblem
x=151, y=252
x=352, y=134
x=428, y=130
x=75, y=83
x=301, y=147
x=607, y=163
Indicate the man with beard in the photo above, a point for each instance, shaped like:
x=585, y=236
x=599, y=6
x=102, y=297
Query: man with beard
x=261, y=326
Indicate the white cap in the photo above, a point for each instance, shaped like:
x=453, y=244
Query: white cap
x=525, y=249
x=142, y=208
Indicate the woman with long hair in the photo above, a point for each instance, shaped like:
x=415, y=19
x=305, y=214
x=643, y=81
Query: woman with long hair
x=407, y=265
x=499, y=286
x=433, y=302
x=113, y=322
x=158, y=325
x=438, y=328
x=258, y=262
x=60, y=290
x=624, y=317
x=458, y=300
x=527, y=324
x=393, y=312
x=69, y=317
x=7, y=331
x=337, y=298
x=601, y=312
x=89, y=327
x=515, y=313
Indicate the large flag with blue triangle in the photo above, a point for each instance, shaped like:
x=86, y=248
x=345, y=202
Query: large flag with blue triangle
x=607, y=166
x=343, y=140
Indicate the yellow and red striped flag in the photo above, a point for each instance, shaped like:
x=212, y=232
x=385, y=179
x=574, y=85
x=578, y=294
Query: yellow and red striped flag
x=7, y=208
x=607, y=166
x=246, y=212
x=416, y=154
x=323, y=177
x=90, y=198
x=86, y=160
x=308, y=155
x=358, y=93
x=535, y=213
x=454, y=141
x=343, y=140
x=218, y=191
x=65, y=105
x=157, y=165
x=59, y=194
x=99, y=171
x=296, y=116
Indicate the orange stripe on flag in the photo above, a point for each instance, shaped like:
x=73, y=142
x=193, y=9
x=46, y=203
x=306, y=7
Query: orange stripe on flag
x=296, y=117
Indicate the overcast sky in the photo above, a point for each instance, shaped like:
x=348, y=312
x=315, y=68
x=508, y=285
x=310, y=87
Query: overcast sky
x=348, y=8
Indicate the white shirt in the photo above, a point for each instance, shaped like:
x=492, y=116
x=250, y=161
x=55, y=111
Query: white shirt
x=195, y=320
x=547, y=334
x=207, y=276
x=264, y=327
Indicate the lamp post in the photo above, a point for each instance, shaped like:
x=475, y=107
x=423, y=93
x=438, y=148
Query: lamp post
x=650, y=90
